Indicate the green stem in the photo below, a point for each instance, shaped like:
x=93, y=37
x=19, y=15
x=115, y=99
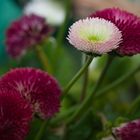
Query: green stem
x=77, y=76
x=43, y=59
x=41, y=131
x=88, y=101
x=68, y=113
x=100, y=93
x=85, y=82
x=117, y=82
x=105, y=69
x=63, y=116
x=134, y=106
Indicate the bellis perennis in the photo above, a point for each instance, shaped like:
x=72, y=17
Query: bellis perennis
x=37, y=87
x=15, y=115
x=25, y=33
x=94, y=35
x=128, y=24
x=128, y=131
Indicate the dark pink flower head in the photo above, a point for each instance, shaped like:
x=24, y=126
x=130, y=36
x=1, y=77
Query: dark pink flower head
x=128, y=131
x=15, y=115
x=24, y=33
x=39, y=88
x=129, y=24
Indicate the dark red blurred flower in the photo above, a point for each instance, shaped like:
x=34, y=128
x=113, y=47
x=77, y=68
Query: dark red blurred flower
x=129, y=24
x=128, y=131
x=39, y=88
x=15, y=115
x=24, y=33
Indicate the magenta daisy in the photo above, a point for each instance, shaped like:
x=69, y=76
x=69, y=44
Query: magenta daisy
x=15, y=115
x=128, y=24
x=128, y=131
x=36, y=86
x=94, y=35
x=24, y=33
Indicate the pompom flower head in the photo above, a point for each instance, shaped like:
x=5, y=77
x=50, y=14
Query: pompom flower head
x=128, y=24
x=24, y=33
x=128, y=131
x=94, y=35
x=15, y=115
x=37, y=87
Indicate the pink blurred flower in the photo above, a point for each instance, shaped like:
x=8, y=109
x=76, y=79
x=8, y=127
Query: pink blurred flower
x=128, y=131
x=25, y=33
x=36, y=86
x=94, y=35
x=128, y=24
x=15, y=115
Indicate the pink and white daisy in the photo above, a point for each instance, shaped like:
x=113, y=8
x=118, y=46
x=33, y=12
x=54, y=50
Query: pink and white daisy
x=37, y=87
x=128, y=24
x=15, y=115
x=94, y=35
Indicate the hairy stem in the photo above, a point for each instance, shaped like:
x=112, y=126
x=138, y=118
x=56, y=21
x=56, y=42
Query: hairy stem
x=85, y=82
x=88, y=101
x=41, y=130
x=117, y=82
x=76, y=77
x=43, y=59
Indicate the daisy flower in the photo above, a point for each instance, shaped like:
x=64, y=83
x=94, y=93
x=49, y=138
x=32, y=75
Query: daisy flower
x=37, y=87
x=15, y=115
x=128, y=24
x=94, y=35
x=25, y=33
x=128, y=131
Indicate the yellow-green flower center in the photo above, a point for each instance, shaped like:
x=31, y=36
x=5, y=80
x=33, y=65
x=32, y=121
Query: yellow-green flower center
x=95, y=34
x=95, y=38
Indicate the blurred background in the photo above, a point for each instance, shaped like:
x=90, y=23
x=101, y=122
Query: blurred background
x=60, y=14
x=54, y=11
